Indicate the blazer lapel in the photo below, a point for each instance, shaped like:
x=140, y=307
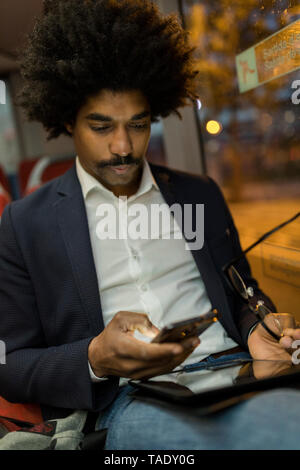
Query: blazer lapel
x=73, y=223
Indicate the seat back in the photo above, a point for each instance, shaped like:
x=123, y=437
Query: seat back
x=25, y=168
x=4, y=199
x=4, y=181
x=13, y=415
x=34, y=173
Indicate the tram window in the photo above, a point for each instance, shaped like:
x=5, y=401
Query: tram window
x=156, y=150
x=9, y=148
x=252, y=136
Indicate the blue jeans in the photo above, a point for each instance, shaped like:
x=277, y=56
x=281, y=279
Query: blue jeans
x=268, y=421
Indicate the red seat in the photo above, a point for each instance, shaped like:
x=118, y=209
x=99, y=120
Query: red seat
x=4, y=199
x=4, y=181
x=56, y=169
x=34, y=173
x=25, y=169
x=19, y=411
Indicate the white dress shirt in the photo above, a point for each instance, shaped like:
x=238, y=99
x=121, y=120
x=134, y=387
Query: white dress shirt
x=158, y=277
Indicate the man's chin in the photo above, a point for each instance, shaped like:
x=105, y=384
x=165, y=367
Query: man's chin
x=120, y=178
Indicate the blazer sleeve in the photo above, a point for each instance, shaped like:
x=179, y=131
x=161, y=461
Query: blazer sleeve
x=245, y=319
x=33, y=371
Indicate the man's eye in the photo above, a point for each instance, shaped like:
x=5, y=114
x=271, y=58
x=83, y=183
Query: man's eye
x=135, y=126
x=99, y=129
x=140, y=126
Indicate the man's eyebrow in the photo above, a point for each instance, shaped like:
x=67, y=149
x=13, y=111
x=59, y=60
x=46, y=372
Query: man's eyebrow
x=102, y=117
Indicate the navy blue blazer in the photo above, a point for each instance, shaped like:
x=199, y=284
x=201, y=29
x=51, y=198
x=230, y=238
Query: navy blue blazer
x=50, y=306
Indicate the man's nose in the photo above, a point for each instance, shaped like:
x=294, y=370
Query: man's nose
x=121, y=143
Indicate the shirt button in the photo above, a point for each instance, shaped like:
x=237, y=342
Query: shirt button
x=144, y=287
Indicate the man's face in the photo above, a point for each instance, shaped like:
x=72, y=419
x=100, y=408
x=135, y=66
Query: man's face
x=113, y=129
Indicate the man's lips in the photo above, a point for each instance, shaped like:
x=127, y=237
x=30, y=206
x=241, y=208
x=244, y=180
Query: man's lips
x=120, y=170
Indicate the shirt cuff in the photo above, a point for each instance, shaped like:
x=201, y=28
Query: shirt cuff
x=94, y=377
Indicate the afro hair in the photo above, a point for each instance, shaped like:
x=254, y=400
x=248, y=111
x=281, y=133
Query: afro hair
x=79, y=47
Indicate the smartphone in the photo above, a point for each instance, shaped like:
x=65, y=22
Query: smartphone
x=177, y=332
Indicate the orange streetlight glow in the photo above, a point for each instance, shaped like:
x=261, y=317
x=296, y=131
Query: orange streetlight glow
x=213, y=127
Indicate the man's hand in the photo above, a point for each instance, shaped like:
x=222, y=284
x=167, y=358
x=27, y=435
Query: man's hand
x=263, y=346
x=115, y=351
x=289, y=336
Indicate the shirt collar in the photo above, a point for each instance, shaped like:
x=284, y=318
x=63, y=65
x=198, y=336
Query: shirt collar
x=88, y=182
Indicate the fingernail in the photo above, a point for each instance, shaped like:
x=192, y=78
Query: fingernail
x=177, y=350
x=196, y=342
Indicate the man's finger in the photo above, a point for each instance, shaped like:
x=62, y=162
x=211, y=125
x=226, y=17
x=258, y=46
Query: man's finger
x=191, y=342
x=138, y=367
x=135, y=349
x=130, y=321
x=286, y=342
x=146, y=333
x=292, y=332
x=156, y=351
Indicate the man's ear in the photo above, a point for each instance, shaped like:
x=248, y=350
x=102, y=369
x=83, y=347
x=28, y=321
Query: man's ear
x=69, y=128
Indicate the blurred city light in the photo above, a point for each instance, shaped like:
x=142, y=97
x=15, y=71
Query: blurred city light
x=213, y=127
x=289, y=117
x=199, y=104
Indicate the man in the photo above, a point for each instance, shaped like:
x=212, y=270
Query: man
x=72, y=299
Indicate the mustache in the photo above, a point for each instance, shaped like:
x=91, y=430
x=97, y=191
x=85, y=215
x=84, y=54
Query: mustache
x=128, y=160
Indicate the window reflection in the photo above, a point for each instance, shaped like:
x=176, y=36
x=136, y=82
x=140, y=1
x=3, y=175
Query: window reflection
x=156, y=150
x=9, y=149
x=251, y=139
